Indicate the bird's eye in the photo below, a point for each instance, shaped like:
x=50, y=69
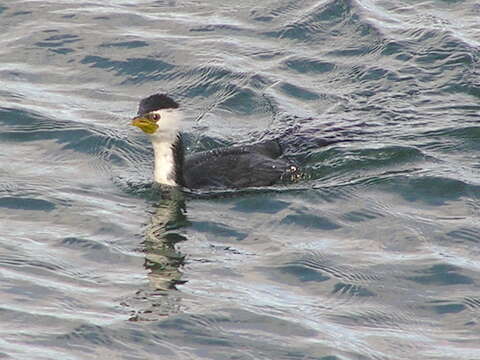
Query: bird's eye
x=155, y=117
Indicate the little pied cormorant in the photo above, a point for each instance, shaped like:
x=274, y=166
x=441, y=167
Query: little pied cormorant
x=231, y=167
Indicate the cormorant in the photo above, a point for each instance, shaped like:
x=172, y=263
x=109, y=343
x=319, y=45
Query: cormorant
x=229, y=167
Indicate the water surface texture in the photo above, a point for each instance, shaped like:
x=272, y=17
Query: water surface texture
x=373, y=254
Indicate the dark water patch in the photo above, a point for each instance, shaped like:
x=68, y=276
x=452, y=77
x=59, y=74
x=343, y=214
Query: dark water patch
x=2, y=9
x=62, y=51
x=441, y=274
x=133, y=44
x=465, y=59
x=298, y=92
x=217, y=28
x=79, y=243
x=90, y=334
x=280, y=9
x=266, y=55
x=20, y=13
x=307, y=66
x=242, y=101
x=326, y=194
x=374, y=73
x=432, y=57
x=211, y=80
x=465, y=235
x=432, y=190
x=372, y=319
x=310, y=221
x=352, y=290
x=60, y=135
x=459, y=88
x=443, y=307
x=352, y=51
x=58, y=40
x=326, y=19
x=343, y=272
x=451, y=140
x=442, y=61
x=469, y=133
x=26, y=126
x=362, y=215
x=268, y=324
x=19, y=203
x=399, y=49
x=214, y=194
x=302, y=273
x=218, y=229
x=259, y=204
x=96, y=340
x=262, y=18
x=233, y=321
x=95, y=142
x=259, y=82
x=137, y=70
x=19, y=117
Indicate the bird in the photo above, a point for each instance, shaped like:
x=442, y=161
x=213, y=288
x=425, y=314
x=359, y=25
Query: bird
x=240, y=166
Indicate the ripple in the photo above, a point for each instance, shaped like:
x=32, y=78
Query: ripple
x=431, y=189
x=126, y=44
x=260, y=205
x=307, y=66
x=310, y=221
x=58, y=40
x=362, y=215
x=465, y=235
x=445, y=307
x=218, y=229
x=134, y=69
x=441, y=274
x=318, y=21
x=352, y=290
x=373, y=319
x=472, y=302
x=18, y=203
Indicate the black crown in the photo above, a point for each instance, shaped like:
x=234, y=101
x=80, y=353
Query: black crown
x=156, y=102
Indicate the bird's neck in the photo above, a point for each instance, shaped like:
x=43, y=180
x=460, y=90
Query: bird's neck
x=168, y=149
x=168, y=166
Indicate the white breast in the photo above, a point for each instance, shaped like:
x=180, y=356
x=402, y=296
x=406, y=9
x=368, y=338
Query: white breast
x=162, y=141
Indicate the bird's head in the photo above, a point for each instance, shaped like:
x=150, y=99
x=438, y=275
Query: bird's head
x=158, y=116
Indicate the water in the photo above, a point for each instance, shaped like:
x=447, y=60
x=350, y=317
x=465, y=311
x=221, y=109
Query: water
x=373, y=255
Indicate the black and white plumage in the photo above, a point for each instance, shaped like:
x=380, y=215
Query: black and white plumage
x=231, y=167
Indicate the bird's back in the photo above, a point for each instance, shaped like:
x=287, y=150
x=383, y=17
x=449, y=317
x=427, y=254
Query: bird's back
x=237, y=166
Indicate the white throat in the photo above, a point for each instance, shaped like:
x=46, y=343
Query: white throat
x=162, y=141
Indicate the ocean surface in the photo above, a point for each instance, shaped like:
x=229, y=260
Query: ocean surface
x=373, y=254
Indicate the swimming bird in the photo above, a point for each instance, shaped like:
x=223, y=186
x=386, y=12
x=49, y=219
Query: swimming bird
x=253, y=165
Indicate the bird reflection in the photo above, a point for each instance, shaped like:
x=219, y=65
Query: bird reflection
x=162, y=261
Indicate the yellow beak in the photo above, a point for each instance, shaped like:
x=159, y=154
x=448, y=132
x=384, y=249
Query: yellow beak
x=146, y=125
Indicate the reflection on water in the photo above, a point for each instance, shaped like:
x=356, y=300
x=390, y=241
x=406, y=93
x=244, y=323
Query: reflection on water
x=162, y=261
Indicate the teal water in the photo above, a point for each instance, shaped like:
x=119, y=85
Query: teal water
x=374, y=254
